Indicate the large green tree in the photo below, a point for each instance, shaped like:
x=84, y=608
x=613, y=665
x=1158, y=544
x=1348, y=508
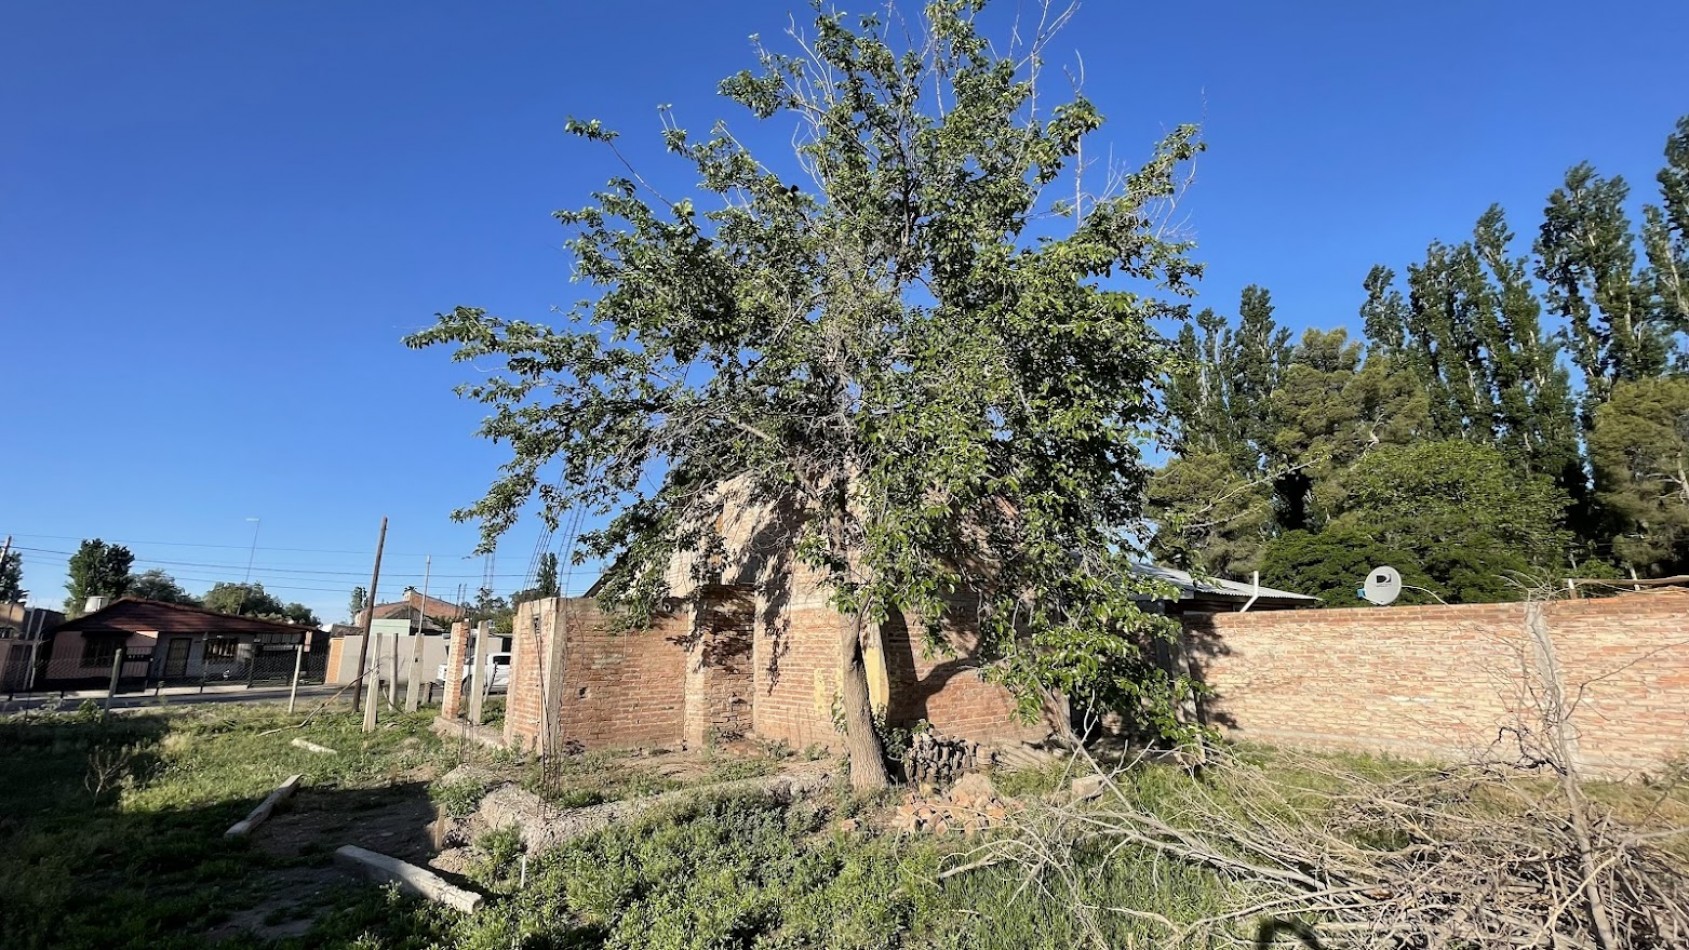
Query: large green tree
x=1462, y=515
x=97, y=569
x=1210, y=518
x=1665, y=233
x=1332, y=564
x=252, y=600
x=1333, y=406
x=932, y=344
x=1470, y=333
x=156, y=584
x=1587, y=258
x=1640, y=450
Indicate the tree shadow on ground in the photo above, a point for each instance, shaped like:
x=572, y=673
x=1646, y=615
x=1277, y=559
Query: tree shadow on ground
x=80, y=868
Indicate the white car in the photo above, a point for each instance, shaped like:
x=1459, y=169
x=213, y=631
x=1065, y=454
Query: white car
x=495, y=674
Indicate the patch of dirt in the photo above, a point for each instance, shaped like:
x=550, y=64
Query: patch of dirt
x=299, y=897
x=396, y=821
x=393, y=821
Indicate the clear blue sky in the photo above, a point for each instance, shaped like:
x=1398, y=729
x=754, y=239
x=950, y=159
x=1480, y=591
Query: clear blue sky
x=217, y=219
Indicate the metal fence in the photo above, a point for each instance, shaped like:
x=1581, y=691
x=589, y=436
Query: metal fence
x=39, y=667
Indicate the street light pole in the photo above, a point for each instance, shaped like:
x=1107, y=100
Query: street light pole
x=253, y=551
x=246, y=584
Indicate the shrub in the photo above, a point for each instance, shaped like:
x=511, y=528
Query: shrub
x=459, y=798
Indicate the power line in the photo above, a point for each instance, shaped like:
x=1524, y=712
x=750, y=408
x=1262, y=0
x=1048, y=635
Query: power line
x=310, y=571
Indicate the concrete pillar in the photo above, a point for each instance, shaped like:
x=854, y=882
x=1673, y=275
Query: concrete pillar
x=478, y=671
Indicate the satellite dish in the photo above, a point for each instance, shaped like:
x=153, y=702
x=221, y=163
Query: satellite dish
x=1383, y=585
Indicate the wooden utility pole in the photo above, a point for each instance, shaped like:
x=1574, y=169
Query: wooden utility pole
x=369, y=617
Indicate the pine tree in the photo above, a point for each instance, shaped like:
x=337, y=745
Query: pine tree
x=546, y=581
x=11, y=578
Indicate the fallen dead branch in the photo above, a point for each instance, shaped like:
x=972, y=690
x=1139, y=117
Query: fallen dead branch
x=1472, y=856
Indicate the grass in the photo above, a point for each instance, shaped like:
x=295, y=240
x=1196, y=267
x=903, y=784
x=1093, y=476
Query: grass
x=112, y=834
x=130, y=853
x=144, y=863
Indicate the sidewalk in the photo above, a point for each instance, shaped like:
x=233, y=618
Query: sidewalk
x=171, y=696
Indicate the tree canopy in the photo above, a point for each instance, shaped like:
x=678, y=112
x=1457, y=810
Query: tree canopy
x=11, y=578
x=97, y=569
x=252, y=600
x=156, y=584
x=1640, y=449
x=1517, y=389
x=930, y=338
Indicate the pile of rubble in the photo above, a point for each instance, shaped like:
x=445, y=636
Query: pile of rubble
x=970, y=806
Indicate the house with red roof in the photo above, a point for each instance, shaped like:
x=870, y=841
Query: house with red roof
x=168, y=643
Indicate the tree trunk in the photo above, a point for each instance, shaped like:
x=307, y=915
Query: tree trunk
x=867, y=759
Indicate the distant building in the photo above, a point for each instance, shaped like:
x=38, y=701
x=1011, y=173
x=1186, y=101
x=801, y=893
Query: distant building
x=434, y=612
x=166, y=642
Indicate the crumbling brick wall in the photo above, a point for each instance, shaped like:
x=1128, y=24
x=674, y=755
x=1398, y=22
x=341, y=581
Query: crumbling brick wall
x=719, y=680
x=797, y=662
x=598, y=687
x=1444, y=682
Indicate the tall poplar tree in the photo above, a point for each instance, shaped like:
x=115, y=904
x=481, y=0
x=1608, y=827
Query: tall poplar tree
x=1665, y=232
x=1586, y=252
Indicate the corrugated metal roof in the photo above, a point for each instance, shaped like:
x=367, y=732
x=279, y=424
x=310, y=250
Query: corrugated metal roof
x=1191, y=587
x=134, y=615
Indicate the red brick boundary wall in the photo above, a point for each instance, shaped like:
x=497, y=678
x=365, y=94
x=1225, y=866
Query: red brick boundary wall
x=719, y=679
x=1445, y=682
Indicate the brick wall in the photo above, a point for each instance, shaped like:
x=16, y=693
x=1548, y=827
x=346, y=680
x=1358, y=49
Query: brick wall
x=535, y=676
x=947, y=688
x=1442, y=682
x=719, y=679
x=451, y=706
x=599, y=687
x=797, y=659
x=331, y=669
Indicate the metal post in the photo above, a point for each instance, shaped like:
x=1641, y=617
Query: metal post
x=369, y=618
x=252, y=662
x=298, y=662
x=116, y=671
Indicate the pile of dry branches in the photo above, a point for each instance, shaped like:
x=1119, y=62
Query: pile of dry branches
x=1334, y=855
